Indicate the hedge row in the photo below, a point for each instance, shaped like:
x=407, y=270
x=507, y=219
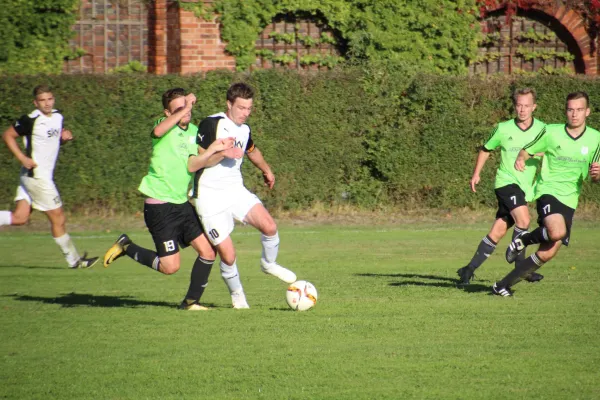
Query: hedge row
x=370, y=137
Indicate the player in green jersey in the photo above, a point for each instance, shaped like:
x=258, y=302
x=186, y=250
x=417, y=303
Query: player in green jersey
x=169, y=216
x=513, y=189
x=572, y=152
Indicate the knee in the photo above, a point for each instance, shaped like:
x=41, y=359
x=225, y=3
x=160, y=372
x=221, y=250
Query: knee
x=270, y=228
x=557, y=234
x=229, y=259
x=168, y=268
x=19, y=219
x=523, y=222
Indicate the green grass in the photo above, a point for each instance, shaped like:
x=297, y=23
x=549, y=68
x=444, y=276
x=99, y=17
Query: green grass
x=390, y=321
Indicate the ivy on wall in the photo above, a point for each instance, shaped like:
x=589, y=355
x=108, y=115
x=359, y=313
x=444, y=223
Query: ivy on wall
x=35, y=35
x=438, y=35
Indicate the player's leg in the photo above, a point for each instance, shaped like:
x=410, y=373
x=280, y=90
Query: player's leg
x=20, y=215
x=259, y=217
x=485, y=248
x=522, y=220
x=203, y=263
x=547, y=206
x=509, y=197
x=524, y=268
x=164, y=223
x=44, y=197
x=218, y=229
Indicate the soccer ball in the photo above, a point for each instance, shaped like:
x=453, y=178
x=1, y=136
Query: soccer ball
x=301, y=296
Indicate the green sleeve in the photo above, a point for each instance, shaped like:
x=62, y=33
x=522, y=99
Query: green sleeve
x=539, y=144
x=494, y=141
x=596, y=156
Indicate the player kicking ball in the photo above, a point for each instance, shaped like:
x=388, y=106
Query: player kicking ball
x=220, y=195
x=572, y=152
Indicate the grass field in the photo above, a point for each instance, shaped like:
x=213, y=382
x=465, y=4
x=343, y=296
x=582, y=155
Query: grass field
x=390, y=321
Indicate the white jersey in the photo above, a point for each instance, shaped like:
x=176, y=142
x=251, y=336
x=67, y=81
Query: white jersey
x=41, y=138
x=216, y=187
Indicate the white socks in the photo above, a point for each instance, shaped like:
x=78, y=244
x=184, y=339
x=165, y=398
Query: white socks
x=231, y=277
x=68, y=248
x=5, y=218
x=270, y=246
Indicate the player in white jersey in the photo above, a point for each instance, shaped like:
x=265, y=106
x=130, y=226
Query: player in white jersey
x=42, y=132
x=220, y=195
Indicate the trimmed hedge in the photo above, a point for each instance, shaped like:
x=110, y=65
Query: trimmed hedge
x=369, y=137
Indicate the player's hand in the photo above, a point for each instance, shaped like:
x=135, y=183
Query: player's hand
x=66, y=135
x=234, y=152
x=190, y=100
x=595, y=171
x=28, y=163
x=222, y=144
x=474, y=181
x=269, y=179
x=520, y=164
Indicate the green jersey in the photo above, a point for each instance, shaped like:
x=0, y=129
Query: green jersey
x=566, y=161
x=168, y=177
x=510, y=138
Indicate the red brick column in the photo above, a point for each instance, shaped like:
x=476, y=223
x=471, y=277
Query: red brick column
x=201, y=46
x=157, y=37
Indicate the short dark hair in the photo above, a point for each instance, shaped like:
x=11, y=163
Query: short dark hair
x=39, y=89
x=524, y=92
x=239, y=89
x=171, y=95
x=579, y=95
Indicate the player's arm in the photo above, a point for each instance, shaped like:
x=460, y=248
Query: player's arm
x=482, y=157
x=595, y=166
x=484, y=154
x=256, y=157
x=532, y=149
x=65, y=136
x=173, y=119
x=211, y=156
x=10, y=138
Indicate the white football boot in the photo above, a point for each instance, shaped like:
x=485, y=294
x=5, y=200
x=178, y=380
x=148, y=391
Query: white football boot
x=277, y=270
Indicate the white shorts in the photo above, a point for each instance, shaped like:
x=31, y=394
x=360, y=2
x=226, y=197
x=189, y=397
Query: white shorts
x=41, y=194
x=219, y=226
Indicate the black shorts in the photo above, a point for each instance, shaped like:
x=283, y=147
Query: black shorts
x=172, y=226
x=509, y=197
x=548, y=205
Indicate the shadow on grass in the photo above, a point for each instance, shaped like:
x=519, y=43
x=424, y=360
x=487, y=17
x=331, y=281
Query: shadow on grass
x=418, y=276
x=432, y=281
x=90, y=300
x=35, y=267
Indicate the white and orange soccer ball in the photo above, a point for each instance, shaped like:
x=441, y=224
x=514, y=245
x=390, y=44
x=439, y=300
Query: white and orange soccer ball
x=301, y=296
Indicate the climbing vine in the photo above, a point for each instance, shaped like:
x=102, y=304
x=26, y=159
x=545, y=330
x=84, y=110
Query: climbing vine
x=436, y=34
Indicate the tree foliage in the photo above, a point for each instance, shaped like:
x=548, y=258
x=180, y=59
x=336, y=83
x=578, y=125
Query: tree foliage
x=35, y=35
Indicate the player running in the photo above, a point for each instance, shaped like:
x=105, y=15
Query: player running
x=572, y=152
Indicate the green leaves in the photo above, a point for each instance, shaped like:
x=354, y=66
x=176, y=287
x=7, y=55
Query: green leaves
x=35, y=35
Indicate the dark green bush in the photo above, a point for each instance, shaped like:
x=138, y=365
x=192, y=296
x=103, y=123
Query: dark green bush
x=370, y=137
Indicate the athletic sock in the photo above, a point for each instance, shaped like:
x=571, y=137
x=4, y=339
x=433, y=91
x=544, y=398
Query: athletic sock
x=199, y=279
x=516, y=232
x=538, y=235
x=5, y=218
x=231, y=277
x=484, y=250
x=144, y=256
x=522, y=269
x=270, y=245
x=68, y=249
